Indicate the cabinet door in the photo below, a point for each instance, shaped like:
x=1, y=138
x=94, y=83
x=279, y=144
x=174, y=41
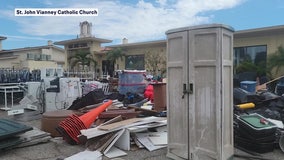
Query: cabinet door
x=177, y=102
x=206, y=124
x=227, y=88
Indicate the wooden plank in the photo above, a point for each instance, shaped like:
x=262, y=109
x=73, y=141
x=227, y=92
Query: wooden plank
x=91, y=133
x=144, y=111
x=113, y=120
x=119, y=124
x=131, y=122
x=95, y=132
x=125, y=113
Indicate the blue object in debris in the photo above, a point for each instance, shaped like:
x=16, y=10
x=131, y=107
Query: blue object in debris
x=249, y=86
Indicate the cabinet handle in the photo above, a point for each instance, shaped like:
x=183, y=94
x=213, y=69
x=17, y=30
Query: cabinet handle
x=187, y=91
x=190, y=88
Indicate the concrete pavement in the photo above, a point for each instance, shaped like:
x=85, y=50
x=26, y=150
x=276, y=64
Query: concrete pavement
x=57, y=149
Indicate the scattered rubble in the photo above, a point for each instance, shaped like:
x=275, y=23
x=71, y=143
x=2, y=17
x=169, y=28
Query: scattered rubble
x=111, y=131
x=258, y=120
x=131, y=122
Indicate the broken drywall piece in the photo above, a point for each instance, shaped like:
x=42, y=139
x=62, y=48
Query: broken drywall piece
x=137, y=143
x=104, y=144
x=115, y=138
x=159, y=138
x=115, y=152
x=145, y=127
x=110, y=141
x=144, y=139
x=99, y=143
x=86, y=155
x=124, y=141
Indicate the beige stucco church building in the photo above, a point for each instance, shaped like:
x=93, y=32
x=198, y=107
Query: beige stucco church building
x=256, y=44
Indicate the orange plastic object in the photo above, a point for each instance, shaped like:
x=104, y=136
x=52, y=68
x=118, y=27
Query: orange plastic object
x=89, y=118
x=70, y=127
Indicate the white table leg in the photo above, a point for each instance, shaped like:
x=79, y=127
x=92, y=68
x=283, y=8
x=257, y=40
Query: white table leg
x=12, y=97
x=5, y=91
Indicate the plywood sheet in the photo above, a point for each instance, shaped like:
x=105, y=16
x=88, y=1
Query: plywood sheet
x=119, y=124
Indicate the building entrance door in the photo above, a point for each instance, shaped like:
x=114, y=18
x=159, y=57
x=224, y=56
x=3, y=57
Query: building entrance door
x=107, y=68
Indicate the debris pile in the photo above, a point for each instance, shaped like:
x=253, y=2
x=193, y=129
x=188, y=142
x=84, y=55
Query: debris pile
x=116, y=135
x=110, y=123
x=16, y=135
x=258, y=121
x=114, y=127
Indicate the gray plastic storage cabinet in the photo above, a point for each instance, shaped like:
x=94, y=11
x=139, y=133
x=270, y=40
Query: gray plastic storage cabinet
x=200, y=92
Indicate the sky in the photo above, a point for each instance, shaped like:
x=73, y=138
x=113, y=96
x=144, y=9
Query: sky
x=136, y=20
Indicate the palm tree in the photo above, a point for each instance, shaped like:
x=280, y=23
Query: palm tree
x=276, y=60
x=83, y=58
x=114, y=55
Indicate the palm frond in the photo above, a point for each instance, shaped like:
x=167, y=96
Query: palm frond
x=82, y=57
x=276, y=60
x=115, y=54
